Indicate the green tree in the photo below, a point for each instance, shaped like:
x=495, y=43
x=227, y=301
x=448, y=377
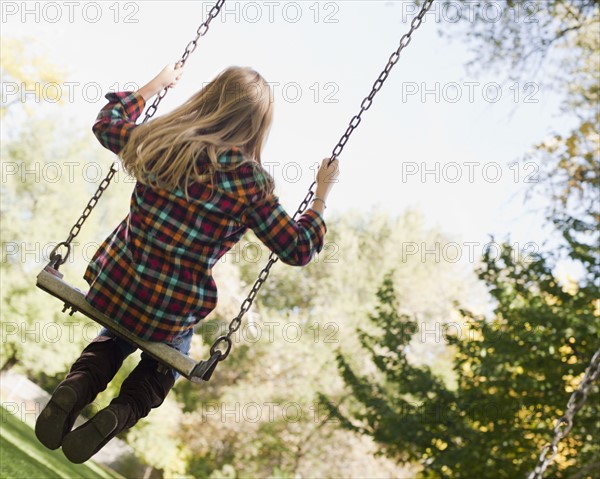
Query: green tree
x=515, y=369
x=515, y=375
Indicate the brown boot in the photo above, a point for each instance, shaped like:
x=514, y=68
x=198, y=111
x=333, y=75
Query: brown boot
x=145, y=388
x=89, y=375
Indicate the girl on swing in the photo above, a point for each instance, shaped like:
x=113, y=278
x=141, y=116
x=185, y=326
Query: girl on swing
x=200, y=186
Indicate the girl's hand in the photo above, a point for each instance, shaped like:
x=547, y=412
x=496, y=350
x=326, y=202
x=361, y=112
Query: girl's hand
x=327, y=177
x=169, y=76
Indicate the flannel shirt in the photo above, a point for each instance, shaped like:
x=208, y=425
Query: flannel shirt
x=153, y=274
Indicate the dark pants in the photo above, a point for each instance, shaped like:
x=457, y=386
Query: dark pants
x=145, y=388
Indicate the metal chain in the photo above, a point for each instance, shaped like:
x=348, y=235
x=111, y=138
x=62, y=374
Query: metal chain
x=368, y=100
x=56, y=259
x=236, y=322
x=565, y=423
x=189, y=49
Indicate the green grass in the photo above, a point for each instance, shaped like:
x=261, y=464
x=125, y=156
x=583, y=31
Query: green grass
x=23, y=457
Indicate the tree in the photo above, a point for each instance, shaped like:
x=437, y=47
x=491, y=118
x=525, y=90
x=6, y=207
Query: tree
x=19, y=76
x=516, y=368
x=515, y=375
x=519, y=38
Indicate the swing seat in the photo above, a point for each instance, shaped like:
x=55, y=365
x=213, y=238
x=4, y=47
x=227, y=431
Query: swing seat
x=50, y=280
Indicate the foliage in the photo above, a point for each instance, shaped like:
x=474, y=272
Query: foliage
x=19, y=77
x=517, y=38
x=259, y=413
x=515, y=375
x=516, y=369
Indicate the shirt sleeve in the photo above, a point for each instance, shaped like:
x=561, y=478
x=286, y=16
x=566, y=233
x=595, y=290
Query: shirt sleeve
x=294, y=241
x=116, y=120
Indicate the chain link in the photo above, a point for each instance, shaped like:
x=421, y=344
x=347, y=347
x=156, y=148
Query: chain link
x=56, y=259
x=564, y=424
x=236, y=322
x=393, y=59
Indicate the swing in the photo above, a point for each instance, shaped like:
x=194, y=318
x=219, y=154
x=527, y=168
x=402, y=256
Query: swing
x=51, y=281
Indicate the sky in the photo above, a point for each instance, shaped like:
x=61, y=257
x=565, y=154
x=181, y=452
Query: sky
x=435, y=138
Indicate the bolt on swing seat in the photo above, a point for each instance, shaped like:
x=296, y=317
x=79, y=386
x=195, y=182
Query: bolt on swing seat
x=51, y=281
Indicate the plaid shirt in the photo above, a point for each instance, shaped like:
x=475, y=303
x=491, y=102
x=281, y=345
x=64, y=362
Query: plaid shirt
x=153, y=273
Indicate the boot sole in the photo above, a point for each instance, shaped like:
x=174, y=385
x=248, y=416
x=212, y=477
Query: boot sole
x=50, y=425
x=82, y=443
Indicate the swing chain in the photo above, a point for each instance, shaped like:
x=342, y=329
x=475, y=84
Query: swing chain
x=564, y=424
x=236, y=322
x=189, y=49
x=202, y=29
x=368, y=100
x=56, y=259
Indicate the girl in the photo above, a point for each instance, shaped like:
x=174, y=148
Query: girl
x=200, y=186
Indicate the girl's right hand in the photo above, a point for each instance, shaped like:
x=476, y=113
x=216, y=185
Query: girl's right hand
x=327, y=177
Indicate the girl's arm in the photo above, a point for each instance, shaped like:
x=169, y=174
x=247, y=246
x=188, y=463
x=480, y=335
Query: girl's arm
x=116, y=120
x=295, y=242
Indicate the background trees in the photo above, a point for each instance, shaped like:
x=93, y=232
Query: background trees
x=516, y=368
x=496, y=385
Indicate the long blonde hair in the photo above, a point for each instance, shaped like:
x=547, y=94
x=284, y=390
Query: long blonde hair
x=182, y=147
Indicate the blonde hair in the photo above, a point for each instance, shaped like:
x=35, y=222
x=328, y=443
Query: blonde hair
x=234, y=111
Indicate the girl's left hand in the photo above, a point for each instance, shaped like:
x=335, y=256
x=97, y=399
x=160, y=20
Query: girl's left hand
x=169, y=76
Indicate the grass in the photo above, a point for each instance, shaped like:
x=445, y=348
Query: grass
x=23, y=457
